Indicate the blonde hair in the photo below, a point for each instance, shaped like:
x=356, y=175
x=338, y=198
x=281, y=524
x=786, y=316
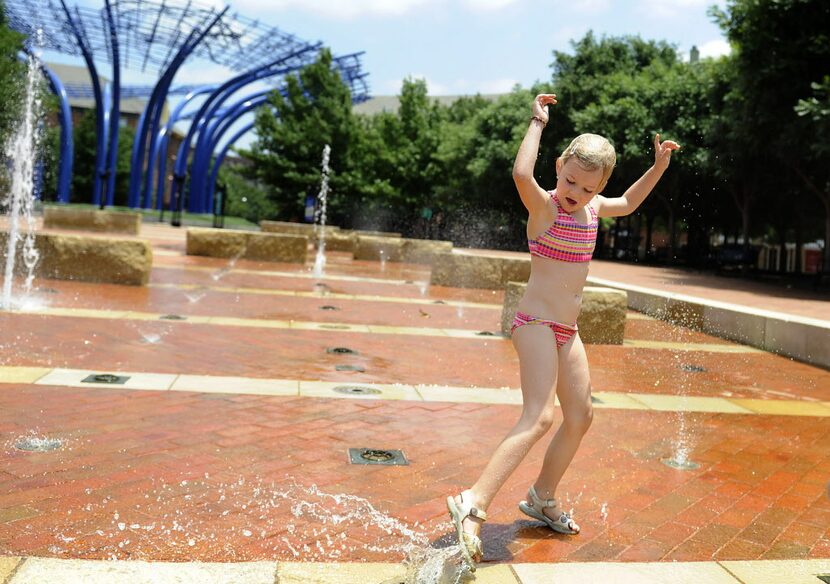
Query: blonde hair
x=592, y=152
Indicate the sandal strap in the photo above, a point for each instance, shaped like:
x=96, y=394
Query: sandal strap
x=538, y=501
x=467, y=509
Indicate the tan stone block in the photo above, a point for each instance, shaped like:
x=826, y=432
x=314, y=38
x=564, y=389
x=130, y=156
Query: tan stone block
x=105, y=221
x=292, y=228
x=602, y=317
x=341, y=240
x=376, y=233
x=601, y=320
x=217, y=243
x=277, y=247
x=513, y=293
x=515, y=270
x=374, y=247
x=467, y=271
x=92, y=259
x=421, y=251
x=685, y=313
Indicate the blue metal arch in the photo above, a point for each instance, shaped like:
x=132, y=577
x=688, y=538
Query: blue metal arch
x=226, y=122
x=163, y=142
x=67, y=144
x=149, y=123
x=115, y=108
x=100, y=149
x=220, y=158
x=177, y=190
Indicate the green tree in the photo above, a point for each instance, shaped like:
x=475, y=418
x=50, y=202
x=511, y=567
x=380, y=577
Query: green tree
x=83, y=172
x=291, y=132
x=780, y=50
x=12, y=76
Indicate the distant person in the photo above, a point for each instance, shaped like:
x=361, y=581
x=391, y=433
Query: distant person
x=561, y=231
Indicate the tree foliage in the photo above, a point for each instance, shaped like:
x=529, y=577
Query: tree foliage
x=753, y=126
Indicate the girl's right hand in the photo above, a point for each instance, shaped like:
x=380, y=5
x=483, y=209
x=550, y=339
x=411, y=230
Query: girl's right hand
x=540, y=109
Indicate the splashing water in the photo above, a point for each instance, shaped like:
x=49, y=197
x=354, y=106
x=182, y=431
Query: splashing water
x=320, y=223
x=284, y=520
x=222, y=272
x=21, y=150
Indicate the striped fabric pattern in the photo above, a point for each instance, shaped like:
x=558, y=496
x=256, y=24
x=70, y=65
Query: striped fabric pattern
x=562, y=332
x=566, y=240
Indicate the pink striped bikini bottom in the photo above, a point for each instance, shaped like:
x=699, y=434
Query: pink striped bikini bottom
x=562, y=332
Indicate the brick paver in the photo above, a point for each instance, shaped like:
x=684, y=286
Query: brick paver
x=185, y=476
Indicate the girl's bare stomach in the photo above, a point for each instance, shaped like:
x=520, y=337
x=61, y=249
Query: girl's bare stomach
x=554, y=290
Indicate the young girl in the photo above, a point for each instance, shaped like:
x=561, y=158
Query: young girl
x=561, y=232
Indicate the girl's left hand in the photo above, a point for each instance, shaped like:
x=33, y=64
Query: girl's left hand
x=663, y=150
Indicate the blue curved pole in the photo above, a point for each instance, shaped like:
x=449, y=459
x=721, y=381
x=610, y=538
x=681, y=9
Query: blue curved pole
x=67, y=144
x=163, y=144
x=201, y=156
x=149, y=123
x=220, y=158
x=99, y=106
x=180, y=170
x=115, y=109
x=216, y=127
x=225, y=124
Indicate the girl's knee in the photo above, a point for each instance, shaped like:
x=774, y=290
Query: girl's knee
x=538, y=423
x=580, y=420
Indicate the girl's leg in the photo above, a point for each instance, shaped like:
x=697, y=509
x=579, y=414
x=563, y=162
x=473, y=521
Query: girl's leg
x=538, y=365
x=574, y=391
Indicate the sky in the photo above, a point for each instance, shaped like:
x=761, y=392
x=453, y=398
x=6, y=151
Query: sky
x=458, y=46
x=463, y=46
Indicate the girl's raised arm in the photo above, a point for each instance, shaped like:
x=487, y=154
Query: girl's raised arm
x=532, y=195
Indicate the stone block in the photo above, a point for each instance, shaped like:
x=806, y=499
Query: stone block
x=602, y=317
x=601, y=320
x=341, y=240
x=374, y=247
x=515, y=270
x=277, y=247
x=376, y=233
x=461, y=270
x=293, y=228
x=513, y=292
x=422, y=251
x=107, y=260
x=229, y=243
x=216, y=243
x=124, y=222
x=685, y=313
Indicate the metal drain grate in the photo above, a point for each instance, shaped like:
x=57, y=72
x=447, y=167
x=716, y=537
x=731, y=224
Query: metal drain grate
x=357, y=368
x=341, y=351
x=377, y=456
x=338, y=327
x=108, y=378
x=172, y=317
x=356, y=390
x=34, y=444
x=438, y=302
x=328, y=307
x=486, y=334
x=693, y=368
x=596, y=400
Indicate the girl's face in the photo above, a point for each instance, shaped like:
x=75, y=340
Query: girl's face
x=576, y=186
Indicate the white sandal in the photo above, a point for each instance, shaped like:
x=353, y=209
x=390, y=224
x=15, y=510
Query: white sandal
x=536, y=509
x=471, y=548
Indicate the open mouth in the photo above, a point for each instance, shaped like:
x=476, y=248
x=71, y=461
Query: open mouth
x=570, y=201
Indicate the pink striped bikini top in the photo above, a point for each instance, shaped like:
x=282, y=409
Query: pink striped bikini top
x=566, y=240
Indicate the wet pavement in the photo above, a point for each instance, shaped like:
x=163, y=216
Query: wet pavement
x=238, y=456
